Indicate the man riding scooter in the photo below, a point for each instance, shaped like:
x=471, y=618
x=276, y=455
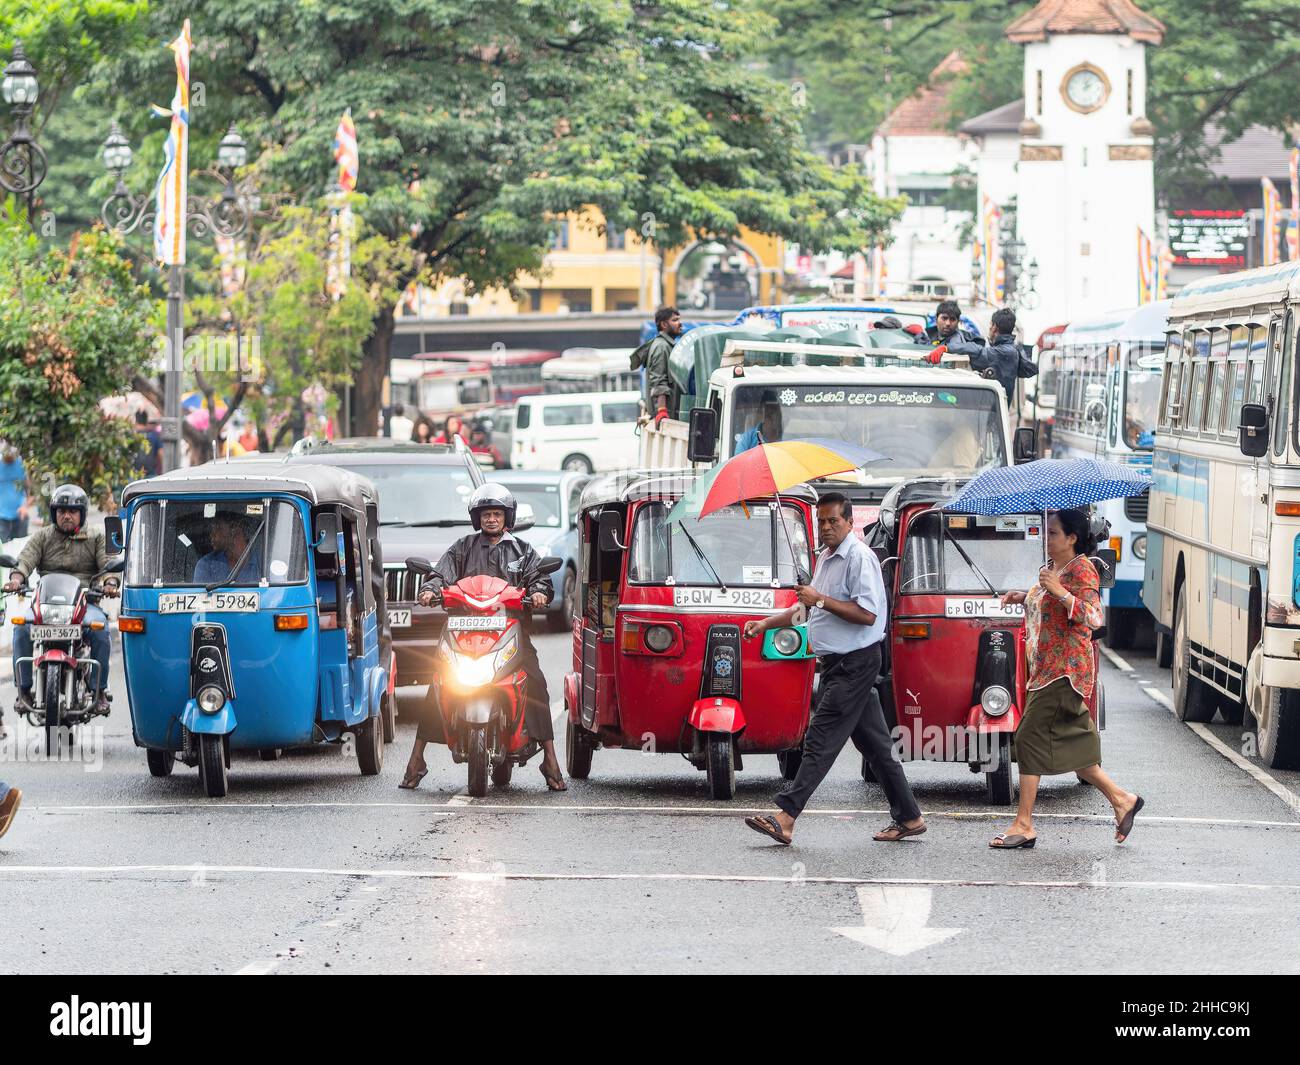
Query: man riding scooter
x=492, y=551
x=64, y=546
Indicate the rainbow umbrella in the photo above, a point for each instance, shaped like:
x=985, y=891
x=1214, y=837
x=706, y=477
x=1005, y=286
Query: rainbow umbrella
x=768, y=470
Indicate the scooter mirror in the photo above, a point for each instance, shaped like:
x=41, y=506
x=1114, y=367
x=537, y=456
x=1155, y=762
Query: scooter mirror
x=419, y=565
x=550, y=564
x=113, y=534
x=611, y=524
x=116, y=566
x=8, y=561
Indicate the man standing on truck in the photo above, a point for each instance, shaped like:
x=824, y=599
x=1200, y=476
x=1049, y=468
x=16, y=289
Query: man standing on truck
x=1001, y=357
x=654, y=357
x=947, y=326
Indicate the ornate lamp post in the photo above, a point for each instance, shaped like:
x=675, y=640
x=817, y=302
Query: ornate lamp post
x=228, y=216
x=22, y=162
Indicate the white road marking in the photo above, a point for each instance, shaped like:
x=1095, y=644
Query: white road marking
x=1115, y=659
x=1159, y=697
x=465, y=804
x=724, y=878
x=895, y=920
x=1247, y=766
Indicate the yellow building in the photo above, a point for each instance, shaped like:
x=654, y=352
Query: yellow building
x=589, y=270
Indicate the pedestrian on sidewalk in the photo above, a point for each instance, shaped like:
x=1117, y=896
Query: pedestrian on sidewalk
x=1057, y=734
x=9, y=800
x=15, y=496
x=846, y=626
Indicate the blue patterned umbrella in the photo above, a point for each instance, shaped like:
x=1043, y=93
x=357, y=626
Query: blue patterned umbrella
x=1048, y=484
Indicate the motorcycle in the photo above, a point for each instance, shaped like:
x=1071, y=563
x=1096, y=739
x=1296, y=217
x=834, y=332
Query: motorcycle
x=480, y=695
x=64, y=672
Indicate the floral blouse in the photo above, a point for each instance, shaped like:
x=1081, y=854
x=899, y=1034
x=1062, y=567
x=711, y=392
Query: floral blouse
x=1058, y=641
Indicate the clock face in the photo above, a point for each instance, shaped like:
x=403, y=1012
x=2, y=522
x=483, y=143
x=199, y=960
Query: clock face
x=1085, y=89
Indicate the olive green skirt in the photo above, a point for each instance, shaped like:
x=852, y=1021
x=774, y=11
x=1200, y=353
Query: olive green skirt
x=1056, y=735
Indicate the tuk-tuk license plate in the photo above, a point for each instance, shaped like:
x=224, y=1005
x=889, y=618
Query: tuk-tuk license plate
x=722, y=600
x=981, y=608
x=215, y=603
x=399, y=619
x=56, y=633
x=474, y=624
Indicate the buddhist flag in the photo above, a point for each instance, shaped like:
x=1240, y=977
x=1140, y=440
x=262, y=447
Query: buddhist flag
x=1166, y=260
x=1271, y=234
x=879, y=270
x=1147, y=268
x=994, y=265
x=172, y=189
x=345, y=152
x=1293, y=230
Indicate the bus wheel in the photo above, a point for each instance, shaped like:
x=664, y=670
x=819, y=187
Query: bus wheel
x=1192, y=698
x=1164, y=649
x=1119, y=628
x=1278, y=715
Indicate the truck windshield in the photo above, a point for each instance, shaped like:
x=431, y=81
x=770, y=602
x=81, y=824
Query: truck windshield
x=923, y=431
x=197, y=542
x=742, y=544
x=1007, y=550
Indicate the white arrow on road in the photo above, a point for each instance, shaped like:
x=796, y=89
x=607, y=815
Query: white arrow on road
x=895, y=920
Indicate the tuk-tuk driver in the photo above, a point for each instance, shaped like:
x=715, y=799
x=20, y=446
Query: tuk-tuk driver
x=493, y=551
x=229, y=536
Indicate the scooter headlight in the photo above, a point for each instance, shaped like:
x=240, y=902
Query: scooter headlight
x=211, y=699
x=475, y=672
x=56, y=615
x=996, y=700
x=787, y=641
x=1140, y=546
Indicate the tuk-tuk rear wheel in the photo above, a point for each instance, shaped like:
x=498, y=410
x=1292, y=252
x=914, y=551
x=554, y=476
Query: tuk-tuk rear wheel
x=577, y=750
x=212, y=766
x=369, y=736
x=388, y=714
x=161, y=763
x=721, y=764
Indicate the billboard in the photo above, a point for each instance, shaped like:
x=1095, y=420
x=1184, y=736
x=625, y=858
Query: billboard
x=1209, y=237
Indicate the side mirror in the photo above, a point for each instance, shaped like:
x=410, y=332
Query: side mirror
x=550, y=564
x=525, y=517
x=8, y=561
x=611, y=524
x=113, y=535
x=1254, y=430
x=419, y=565
x=116, y=566
x=1026, y=445
x=327, y=530
x=1104, y=559
x=702, y=441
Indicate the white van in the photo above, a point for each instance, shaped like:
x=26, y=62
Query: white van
x=582, y=431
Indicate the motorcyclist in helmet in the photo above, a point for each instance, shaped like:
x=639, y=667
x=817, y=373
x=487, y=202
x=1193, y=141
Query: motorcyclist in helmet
x=65, y=545
x=492, y=551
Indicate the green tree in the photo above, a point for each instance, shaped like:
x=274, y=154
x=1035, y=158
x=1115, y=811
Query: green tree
x=74, y=327
x=478, y=119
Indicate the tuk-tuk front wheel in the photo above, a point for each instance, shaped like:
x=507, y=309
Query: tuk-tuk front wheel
x=212, y=765
x=369, y=736
x=476, y=750
x=720, y=764
x=998, y=782
x=577, y=750
x=160, y=762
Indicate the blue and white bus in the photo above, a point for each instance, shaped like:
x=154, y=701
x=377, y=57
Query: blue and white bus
x=1108, y=372
x=787, y=315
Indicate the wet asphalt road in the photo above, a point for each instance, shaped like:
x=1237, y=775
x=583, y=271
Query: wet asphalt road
x=309, y=867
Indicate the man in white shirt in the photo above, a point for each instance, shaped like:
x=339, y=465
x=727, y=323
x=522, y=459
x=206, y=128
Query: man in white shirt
x=846, y=624
x=399, y=425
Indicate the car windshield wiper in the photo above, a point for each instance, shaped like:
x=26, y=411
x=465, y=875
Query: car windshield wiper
x=441, y=523
x=968, y=560
x=397, y=524
x=703, y=557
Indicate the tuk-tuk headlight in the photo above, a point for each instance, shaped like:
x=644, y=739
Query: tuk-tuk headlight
x=475, y=672
x=995, y=700
x=1140, y=546
x=211, y=699
x=658, y=638
x=787, y=641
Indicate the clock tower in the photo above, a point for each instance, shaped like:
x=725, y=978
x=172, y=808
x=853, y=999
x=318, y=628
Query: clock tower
x=1084, y=182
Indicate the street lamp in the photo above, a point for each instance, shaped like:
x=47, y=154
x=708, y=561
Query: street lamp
x=22, y=161
x=226, y=216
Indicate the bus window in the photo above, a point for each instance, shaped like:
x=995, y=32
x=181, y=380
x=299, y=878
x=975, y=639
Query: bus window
x=1196, y=406
x=1172, y=375
x=1258, y=358
x=1232, y=416
x=1214, y=398
x=1282, y=375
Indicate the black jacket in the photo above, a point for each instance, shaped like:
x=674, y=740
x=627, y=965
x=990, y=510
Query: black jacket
x=1003, y=356
x=509, y=558
x=933, y=338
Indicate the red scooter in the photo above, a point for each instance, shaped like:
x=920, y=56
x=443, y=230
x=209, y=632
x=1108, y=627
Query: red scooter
x=478, y=687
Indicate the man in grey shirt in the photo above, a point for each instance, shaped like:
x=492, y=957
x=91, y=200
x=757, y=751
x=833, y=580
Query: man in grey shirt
x=846, y=625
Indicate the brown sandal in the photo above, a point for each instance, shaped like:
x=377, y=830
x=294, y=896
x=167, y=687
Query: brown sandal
x=893, y=832
x=1125, y=827
x=554, y=782
x=769, y=826
x=411, y=781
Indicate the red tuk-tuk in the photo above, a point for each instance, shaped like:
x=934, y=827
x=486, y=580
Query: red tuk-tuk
x=659, y=662
x=953, y=684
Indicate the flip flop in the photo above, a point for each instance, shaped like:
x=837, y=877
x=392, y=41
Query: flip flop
x=410, y=783
x=1011, y=843
x=552, y=781
x=768, y=825
x=893, y=832
x=1126, y=826
x=8, y=807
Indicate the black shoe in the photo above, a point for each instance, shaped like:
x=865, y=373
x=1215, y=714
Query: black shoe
x=23, y=704
x=103, y=702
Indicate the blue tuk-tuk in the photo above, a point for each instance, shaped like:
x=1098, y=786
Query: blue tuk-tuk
x=250, y=620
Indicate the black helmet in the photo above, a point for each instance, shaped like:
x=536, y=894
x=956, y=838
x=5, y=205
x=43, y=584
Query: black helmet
x=488, y=496
x=68, y=497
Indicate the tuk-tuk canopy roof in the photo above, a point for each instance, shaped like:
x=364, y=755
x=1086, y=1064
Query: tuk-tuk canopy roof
x=271, y=474
x=635, y=485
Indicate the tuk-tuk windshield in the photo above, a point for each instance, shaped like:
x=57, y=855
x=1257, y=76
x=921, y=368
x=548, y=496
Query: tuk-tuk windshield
x=741, y=544
x=1007, y=551
x=199, y=541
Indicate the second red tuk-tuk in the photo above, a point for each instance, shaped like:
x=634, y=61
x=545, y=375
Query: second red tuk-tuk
x=954, y=680
x=659, y=662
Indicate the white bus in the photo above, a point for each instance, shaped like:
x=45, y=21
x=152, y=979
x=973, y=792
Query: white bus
x=1107, y=373
x=590, y=370
x=1223, y=556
